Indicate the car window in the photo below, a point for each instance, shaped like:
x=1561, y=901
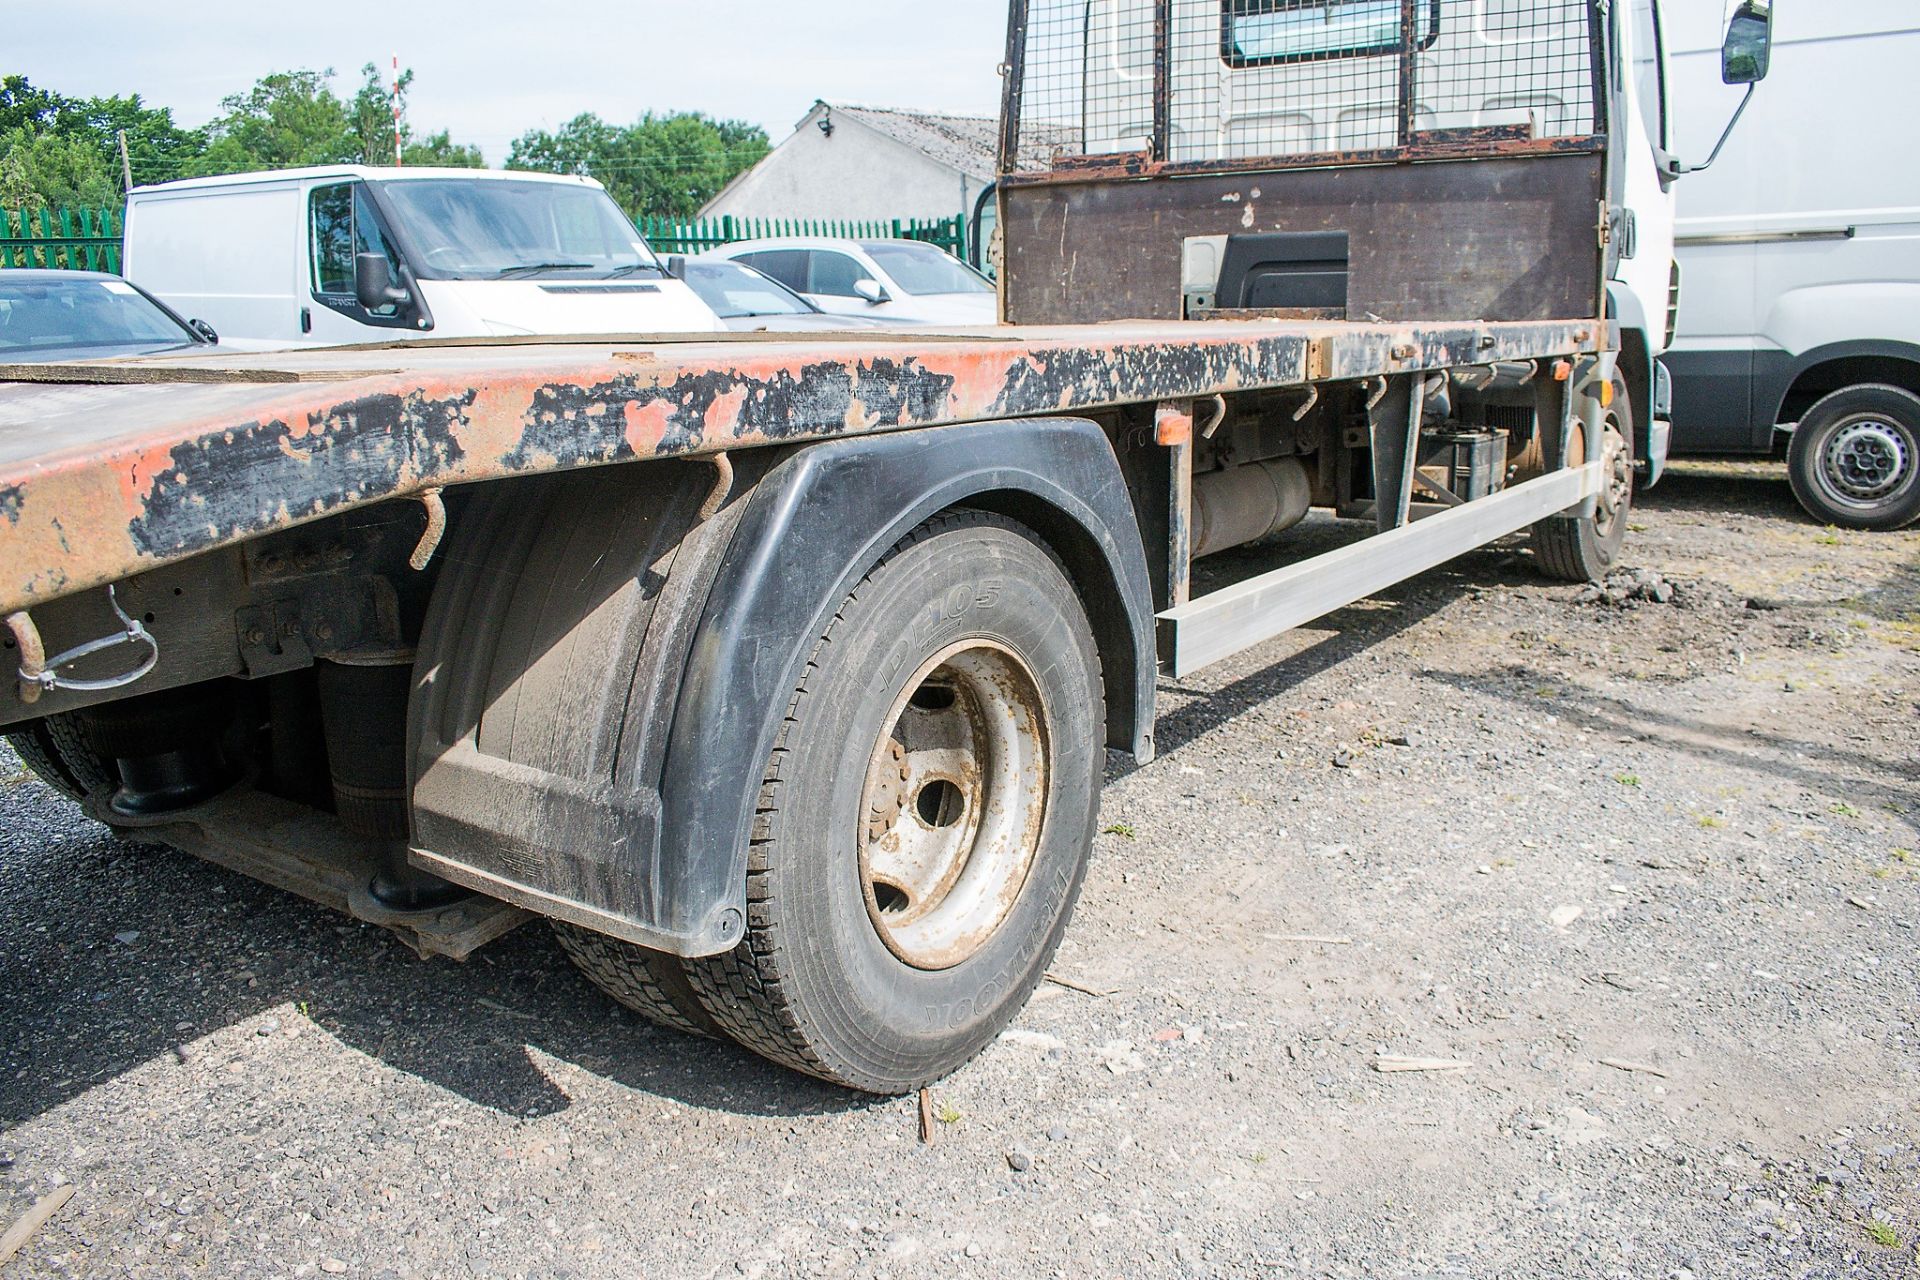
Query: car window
x=788, y=266
x=343, y=225
x=923, y=269
x=82, y=312
x=734, y=290
x=833, y=275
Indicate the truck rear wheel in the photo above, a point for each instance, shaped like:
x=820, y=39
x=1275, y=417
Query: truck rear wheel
x=650, y=983
x=925, y=817
x=57, y=750
x=1855, y=459
x=1586, y=548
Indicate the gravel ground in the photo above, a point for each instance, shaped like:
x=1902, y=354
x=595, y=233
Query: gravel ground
x=1645, y=870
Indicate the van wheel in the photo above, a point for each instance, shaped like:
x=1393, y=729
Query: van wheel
x=1855, y=459
x=925, y=818
x=1586, y=548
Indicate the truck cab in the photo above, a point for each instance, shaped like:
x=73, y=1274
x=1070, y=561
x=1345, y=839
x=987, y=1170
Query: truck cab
x=350, y=254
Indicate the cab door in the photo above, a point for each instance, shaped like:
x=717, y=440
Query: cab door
x=342, y=223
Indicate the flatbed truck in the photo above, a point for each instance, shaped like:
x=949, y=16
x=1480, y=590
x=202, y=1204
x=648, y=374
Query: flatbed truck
x=778, y=672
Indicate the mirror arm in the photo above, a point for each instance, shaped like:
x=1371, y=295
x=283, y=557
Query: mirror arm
x=1676, y=169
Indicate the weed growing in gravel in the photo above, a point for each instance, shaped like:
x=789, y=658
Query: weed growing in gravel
x=1843, y=809
x=947, y=1113
x=1122, y=829
x=1711, y=822
x=1883, y=1234
x=1627, y=779
x=1831, y=538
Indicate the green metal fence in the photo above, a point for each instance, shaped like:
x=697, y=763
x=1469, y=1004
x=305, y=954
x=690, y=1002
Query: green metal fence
x=75, y=239
x=673, y=235
x=89, y=239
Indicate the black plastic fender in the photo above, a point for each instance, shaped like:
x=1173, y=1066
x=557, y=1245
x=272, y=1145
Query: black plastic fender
x=603, y=671
x=819, y=521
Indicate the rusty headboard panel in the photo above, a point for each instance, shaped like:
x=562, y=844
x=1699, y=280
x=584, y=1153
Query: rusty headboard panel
x=1492, y=238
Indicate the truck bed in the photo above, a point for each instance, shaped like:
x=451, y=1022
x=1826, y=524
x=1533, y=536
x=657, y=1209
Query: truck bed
x=112, y=468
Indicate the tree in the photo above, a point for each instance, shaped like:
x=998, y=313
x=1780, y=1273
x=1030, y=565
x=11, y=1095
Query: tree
x=373, y=128
x=287, y=120
x=663, y=165
x=437, y=150
x=39, y=169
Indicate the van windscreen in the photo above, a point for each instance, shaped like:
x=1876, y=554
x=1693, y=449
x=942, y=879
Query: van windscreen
x=491, y=229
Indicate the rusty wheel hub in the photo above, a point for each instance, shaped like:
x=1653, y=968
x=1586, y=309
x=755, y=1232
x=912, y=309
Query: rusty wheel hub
x=954, y=800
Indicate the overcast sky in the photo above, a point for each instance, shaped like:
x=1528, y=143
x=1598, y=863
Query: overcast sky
x=488, y=70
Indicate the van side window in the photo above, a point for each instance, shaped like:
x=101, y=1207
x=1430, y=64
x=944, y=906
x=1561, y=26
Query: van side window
x=1265, y=33
x=343, y=226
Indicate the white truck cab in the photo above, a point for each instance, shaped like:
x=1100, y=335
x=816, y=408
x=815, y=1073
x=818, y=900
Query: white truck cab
x=347, y=254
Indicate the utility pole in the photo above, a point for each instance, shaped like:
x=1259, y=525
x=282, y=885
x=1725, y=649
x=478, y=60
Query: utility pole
x=397, y=158
x=126, y=164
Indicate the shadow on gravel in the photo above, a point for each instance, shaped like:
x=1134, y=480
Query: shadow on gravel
x=1745, y=488
x=1820, y=768
x=82, y=1001
x=1353, y=631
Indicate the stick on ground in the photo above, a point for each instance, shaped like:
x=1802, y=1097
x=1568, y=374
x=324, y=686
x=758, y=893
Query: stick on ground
x=31, y=1221
x=1391, y=1064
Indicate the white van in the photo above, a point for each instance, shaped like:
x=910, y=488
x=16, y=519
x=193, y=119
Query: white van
x=309, y=257
x=1800, y=251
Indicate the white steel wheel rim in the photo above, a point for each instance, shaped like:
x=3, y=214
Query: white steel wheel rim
x=1865, y=461
x=954, y=803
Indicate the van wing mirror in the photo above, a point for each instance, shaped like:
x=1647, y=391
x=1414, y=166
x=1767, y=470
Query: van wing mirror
x=1745, y=59
x=1748, y=54
x=373, y=286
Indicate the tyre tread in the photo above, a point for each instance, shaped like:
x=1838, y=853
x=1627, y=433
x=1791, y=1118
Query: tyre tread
x=745, y=990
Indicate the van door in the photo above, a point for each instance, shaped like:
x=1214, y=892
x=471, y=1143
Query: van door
x=341, y=224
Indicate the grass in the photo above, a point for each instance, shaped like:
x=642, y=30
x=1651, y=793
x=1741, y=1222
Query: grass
x=1883, y=1234
x=1122, y=829
x=1627, y=779
x=1843, y=809
x=946, y=1113
x=1711, y=822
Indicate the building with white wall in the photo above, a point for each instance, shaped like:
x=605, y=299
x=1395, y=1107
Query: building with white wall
x=851, y=162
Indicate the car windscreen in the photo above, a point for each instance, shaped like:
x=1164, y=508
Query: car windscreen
x=922, y=269
x=83, y=312
x=734, y=291
x=491, y=229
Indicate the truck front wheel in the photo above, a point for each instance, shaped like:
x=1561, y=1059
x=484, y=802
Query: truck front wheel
x=1855, y=459
x=1586, y=548
x=925, y=818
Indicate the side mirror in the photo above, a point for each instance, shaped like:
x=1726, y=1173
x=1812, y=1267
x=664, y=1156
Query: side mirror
x=373, y=285
x=1745, y=59
x=676, y=265
x=1748, y=53
x=204, y=329
x=873, y=291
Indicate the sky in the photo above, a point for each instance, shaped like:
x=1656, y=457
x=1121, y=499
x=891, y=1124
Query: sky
x=489, y=70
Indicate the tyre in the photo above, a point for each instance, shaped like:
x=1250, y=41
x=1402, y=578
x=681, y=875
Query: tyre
x=1586, y=548
x=1855, y=459
x=650, y=983
x=57, y=750
x=925, y=817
